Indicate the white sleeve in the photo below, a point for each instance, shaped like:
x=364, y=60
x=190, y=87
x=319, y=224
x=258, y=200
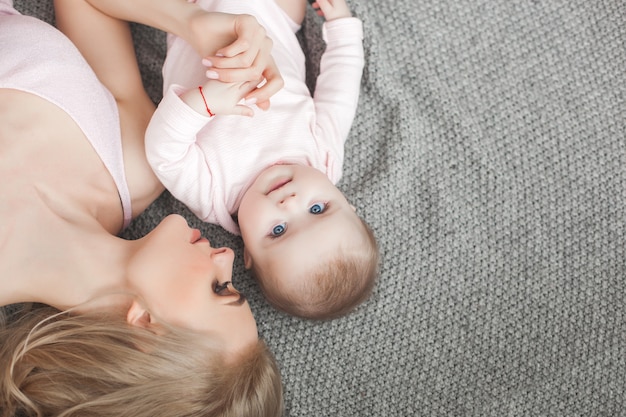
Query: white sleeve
x=339, y=82
x=174, y=155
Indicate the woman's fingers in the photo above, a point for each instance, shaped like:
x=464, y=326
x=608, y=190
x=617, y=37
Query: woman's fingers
x=247, y=59
x=273, y=83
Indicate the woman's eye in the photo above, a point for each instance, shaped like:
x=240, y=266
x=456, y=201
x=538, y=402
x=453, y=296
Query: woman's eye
x=317, y=208
x=225, y=288
x=219, y=288
x=278, y=230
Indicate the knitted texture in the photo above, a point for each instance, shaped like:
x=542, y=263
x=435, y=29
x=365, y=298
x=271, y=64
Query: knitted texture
x=488, y=155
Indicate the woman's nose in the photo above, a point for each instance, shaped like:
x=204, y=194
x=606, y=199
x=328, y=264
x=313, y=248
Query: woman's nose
x=222, y=253
x=223, y=258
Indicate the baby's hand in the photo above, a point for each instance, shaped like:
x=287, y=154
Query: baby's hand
x=332, y=9
x=220, y=98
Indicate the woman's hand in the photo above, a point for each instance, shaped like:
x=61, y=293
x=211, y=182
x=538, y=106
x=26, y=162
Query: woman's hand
x=236, y=46
x=236, y=49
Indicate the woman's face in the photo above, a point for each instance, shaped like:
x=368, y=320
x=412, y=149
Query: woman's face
x=181, y=278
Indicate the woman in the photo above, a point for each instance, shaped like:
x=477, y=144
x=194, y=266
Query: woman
x=147, y=327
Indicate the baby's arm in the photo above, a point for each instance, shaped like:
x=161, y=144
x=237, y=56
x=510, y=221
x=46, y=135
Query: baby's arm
x=174, y=155
x=220, y=98
x=171, y=139
x=341, y=67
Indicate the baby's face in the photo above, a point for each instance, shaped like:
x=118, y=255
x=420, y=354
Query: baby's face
x=292, y=216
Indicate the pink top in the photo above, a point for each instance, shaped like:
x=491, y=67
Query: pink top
x=38, y=59
x=209, y=166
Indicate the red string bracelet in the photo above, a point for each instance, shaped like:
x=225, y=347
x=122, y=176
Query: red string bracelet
x=205, y=105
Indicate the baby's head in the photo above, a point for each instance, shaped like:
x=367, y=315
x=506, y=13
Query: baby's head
x=312, y=254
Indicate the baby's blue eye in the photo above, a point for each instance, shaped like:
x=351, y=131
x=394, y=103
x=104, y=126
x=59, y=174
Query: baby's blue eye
x=278, y=230
x=317, y=208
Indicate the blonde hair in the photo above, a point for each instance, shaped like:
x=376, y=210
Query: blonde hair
x=97, y=365
x=333, y=289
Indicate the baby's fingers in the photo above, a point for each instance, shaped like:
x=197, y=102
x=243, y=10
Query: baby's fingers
x=243, y=110
x=332, y=9
x=315, y=7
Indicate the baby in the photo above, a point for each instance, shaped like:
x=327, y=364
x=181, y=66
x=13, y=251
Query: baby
x=271, y=177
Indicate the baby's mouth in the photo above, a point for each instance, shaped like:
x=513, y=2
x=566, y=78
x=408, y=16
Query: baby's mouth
x=279, y=184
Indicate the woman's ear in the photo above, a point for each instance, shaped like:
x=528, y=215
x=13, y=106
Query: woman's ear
x=138, y=316
x=247, y=259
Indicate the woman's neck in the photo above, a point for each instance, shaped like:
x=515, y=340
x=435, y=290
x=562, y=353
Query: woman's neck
x=49, y=259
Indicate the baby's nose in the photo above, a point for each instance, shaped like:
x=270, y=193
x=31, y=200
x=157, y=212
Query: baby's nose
x=288, y=198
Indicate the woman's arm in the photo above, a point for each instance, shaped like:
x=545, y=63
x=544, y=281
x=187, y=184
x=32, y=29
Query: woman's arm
x=102, y=34
x=236, y=45
x=106, y=44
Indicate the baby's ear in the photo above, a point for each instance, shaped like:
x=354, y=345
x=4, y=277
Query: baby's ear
x=247, y=258
x=138, y=316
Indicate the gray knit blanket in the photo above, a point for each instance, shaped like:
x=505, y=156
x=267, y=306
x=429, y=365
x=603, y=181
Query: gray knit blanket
x=488, y=154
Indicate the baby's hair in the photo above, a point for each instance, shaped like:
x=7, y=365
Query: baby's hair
x=334, y=288
x=77, y=365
